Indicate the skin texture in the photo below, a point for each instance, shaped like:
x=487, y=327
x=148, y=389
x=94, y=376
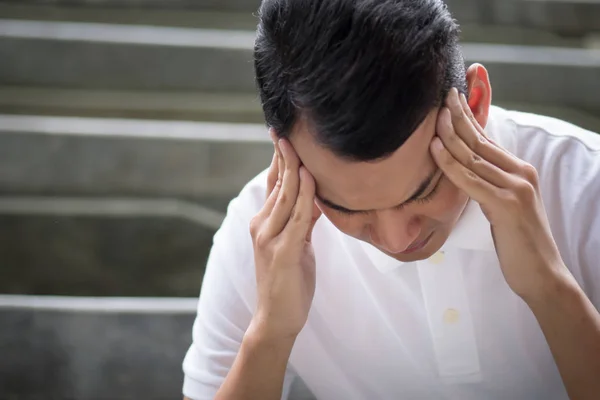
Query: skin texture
x=382, y=185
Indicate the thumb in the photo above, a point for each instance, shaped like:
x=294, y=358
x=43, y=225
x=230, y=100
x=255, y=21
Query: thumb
x=315, y=217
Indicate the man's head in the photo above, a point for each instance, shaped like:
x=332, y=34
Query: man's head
x=356, y=86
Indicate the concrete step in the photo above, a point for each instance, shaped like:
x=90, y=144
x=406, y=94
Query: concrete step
x=473, y=30
x=92, y=349
x=167, y=17
x=556, y=77
x=97, y=348
x=568, y=17
x=71, y=156
x=182, y=105
x=95, y=251
x=136, y=58
x=125, y=57
x=227, y=5
x=572, y=17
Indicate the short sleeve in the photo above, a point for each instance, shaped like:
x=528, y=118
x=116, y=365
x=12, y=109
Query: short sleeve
x=224, y=309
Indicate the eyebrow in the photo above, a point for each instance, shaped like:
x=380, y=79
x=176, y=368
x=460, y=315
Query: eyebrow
x=420, y=190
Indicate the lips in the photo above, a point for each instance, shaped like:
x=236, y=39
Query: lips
x=417, y=246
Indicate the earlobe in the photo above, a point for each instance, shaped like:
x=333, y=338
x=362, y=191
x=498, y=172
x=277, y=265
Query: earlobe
x=479, y=93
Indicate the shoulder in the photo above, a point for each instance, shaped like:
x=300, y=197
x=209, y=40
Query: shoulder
x=232, y=243
x=251, y=198
x=548, y=133
x=567, y=158
x=559, y=150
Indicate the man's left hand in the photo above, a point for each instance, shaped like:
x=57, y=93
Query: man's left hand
x=508, y=192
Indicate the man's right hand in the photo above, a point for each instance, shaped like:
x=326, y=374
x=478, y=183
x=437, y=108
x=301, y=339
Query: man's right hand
x=285, y=275
x=283, y=253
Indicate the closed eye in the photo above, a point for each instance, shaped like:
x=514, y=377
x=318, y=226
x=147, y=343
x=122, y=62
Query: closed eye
x=425, y=199
x=349, y=212
x=420, y=200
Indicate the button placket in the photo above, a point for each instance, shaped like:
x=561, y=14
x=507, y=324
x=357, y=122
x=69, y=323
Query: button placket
x=450, y=321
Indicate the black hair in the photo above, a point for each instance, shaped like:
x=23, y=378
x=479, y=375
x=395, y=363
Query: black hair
x=363, y=73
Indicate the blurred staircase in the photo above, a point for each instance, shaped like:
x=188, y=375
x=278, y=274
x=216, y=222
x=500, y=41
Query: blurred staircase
x=126, y=126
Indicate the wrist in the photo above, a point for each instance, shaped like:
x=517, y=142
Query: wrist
x=553, y=286
x=261, y=334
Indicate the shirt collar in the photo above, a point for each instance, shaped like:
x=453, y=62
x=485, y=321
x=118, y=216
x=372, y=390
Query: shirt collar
x=472, y=230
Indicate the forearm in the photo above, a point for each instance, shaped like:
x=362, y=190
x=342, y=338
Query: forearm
x=259, y=368
x=571, y=326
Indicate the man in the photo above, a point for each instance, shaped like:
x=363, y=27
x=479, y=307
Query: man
x=456, y=254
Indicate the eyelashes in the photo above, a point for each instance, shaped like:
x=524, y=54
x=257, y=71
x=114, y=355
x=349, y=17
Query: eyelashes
x=421, y=200
x=349, y=213
x=429, y=197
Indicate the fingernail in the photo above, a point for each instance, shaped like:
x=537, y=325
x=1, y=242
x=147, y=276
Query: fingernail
x=437, y=144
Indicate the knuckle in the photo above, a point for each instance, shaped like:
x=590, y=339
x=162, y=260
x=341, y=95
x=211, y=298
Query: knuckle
x=473, y=177
x=446, y=159
x=474, y=161
x=471, y=117
x=297, y=215
x=530, y=173
x=255, y=224
x=261, y=240
x=459, y=115
x=525, y=191
x=478, y=143
x=283, y=198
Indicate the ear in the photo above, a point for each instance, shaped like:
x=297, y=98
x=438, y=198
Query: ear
x=479, y=94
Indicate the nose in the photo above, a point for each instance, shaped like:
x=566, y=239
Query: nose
x=393, y=232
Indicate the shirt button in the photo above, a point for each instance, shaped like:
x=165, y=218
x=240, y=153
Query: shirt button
x=451, y=316
x=437, y=258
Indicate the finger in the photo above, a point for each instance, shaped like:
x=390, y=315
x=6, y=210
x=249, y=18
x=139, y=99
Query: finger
x=272, y=187
x=281, y=162
x=461, y=152
x=315, y=217
x=272, y=174
x=471, y=116
x=468, y=129
x=267, y=209
x=469, y=113
x=288, y=192
x=479, y=189
x=302, y=219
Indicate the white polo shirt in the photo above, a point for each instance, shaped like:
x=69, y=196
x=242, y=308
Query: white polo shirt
x=444, y=328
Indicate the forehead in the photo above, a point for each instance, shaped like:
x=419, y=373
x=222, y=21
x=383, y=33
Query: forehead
x=368, y=185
